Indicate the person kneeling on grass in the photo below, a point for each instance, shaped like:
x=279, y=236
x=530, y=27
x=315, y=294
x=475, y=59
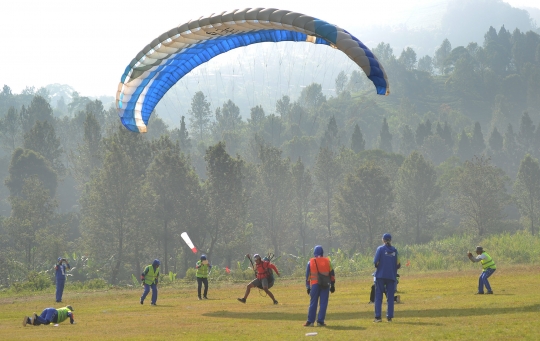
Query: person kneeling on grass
x=264, y=280
x=51, y=315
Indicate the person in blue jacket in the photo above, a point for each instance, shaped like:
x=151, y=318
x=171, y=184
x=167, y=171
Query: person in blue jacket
x=60, y=269
x=386, y=261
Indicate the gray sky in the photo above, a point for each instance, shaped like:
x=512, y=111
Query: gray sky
x=87, y=44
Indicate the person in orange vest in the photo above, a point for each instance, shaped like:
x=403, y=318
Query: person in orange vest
x=264, y=279
x=319, y=292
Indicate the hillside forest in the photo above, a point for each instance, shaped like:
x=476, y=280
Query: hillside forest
x=453, y=150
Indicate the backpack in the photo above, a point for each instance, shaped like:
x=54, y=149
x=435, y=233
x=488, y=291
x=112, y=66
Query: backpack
x=323, y=280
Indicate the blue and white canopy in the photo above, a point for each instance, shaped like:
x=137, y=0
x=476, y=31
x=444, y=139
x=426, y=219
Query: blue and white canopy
x=175, y=53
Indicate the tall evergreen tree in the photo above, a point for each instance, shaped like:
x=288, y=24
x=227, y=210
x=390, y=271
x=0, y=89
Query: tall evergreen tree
x=385, y=138
x=358, y=143
x=183, y=137
x=464, y=146
x=408, y=143
x=479, y=195
x=527, y=191
x=303, y=188
x=477, y=141
x=362, y=202
x=330, y=139
x=200, y=113
x=495, y=140
x=416, y=195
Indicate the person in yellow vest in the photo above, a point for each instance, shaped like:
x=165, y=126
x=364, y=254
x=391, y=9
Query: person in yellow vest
x=318, y=292
x=149, y=278
x=202, y=267
x=488, y=268
x=51, y=315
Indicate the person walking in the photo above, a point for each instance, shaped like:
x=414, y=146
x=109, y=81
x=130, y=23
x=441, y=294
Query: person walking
x=318, y=269
x=488, y=268
x=60, y=270
x=51, y=315
x=202, y=267
x=149, y=278
x=264, y=278
x=386, y=261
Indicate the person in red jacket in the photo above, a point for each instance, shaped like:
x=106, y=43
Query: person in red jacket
x=264, y=278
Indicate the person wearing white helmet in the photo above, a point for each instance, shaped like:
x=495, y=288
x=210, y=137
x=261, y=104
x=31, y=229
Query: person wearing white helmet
x=264, y=279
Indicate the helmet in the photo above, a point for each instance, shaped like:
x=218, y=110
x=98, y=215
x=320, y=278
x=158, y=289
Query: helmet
x=318, y=251
x=479, y=249
x=59, y=259
x=255, y=256
x=70, y=308
x=203, y=257
x=156, y=262
x=387, y=237
x=266, y=259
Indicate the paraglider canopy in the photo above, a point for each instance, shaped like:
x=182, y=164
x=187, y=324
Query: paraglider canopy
x=176, y=52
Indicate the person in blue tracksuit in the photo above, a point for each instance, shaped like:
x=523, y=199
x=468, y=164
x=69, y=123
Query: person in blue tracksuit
x=60, y=269
x=386, y=261
x=318, y=294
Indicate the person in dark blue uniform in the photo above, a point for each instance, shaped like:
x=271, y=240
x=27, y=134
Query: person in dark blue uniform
x=386, y=261
x=61, y=268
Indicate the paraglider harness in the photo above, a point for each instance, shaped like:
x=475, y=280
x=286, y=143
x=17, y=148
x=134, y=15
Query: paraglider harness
x=269, y=272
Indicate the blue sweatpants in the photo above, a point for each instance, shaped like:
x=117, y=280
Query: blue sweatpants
x=59, y=289
x=380, y=285
x=483, y=280
x=319, y=297
x=147, y=290
x=47, y=316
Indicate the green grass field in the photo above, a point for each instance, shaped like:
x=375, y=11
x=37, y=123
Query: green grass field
x=434, y=306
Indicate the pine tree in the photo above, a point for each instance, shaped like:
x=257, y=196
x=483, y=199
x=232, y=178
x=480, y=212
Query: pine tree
x=200, y=113
x=464, y=146
x=385, y=142
x=358, y=143
x=477, y=142
x=495, y=140
x=183, y=136
x=408, y=143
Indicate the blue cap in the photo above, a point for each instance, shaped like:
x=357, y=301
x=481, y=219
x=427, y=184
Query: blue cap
x=318, y=251
x=59, y=258
x=203, y=257
x=387, y=236
x=156, y=262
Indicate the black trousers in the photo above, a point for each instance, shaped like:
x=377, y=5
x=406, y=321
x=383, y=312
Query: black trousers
x=200, y=282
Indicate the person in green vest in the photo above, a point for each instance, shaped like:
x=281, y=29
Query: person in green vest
x=51, y=315
x=149, y=278
x=202, y=267
x=488, y=268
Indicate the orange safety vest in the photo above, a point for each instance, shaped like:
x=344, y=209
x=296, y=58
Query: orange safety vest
x=323, y=264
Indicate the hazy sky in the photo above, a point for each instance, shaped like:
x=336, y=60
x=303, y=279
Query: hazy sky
x=87, y=44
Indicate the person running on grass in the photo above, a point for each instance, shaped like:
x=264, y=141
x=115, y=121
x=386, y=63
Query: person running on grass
x=264, y=278
x=50, y=315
